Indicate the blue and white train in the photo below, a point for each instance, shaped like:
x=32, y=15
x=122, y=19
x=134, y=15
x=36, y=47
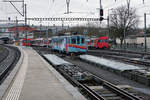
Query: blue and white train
x=69, y=44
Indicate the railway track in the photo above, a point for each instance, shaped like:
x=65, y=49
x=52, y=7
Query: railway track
x=140, y=76
x=10, y=56
x=123, y=51
x=91, y=86
x=3, y=53
x=131, y=52
x=122, y=56
x=94, y=87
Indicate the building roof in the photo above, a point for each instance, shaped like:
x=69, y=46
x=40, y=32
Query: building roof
x=21, y=28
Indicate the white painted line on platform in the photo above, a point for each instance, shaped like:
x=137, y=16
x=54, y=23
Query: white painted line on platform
x=16, y=88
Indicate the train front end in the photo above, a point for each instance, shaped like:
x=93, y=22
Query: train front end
x=76, y=44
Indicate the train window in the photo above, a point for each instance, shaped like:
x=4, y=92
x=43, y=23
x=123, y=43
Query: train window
x=82, y=40
x=104, y=40
x=107, y=40
x=101, y=41
x=73, y=40
x=78, y=40
x=68, y=40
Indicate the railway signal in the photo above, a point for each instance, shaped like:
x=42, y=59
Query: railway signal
x=101, y=12
x=101, y=15
x=101, y=18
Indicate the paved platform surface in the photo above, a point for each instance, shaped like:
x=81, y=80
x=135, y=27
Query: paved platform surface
x=37, y=80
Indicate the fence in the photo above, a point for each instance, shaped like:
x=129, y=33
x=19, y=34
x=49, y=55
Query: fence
x=131, y=47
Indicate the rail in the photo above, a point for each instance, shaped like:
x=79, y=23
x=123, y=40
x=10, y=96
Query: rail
x=118, y=90
x=8, y=63
x=86, y=90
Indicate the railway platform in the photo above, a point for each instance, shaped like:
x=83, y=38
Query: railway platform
x=35, y=79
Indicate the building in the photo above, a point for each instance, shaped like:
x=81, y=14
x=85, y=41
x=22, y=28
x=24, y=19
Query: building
x=20, y=32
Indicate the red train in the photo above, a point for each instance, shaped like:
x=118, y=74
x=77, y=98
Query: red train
x=26, y=42
x=43, y=42
x=99, y=43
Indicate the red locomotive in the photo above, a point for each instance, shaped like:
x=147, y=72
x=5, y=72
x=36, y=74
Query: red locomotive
x=99, y=43
x=26, y=42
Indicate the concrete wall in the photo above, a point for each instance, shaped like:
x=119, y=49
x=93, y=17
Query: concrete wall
x=137, y=40
x=142, y=40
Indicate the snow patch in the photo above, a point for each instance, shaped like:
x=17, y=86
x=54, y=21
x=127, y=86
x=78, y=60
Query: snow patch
x=55, y=60
x=109, y=63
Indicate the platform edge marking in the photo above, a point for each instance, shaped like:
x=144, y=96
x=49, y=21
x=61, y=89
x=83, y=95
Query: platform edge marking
x=17, y=86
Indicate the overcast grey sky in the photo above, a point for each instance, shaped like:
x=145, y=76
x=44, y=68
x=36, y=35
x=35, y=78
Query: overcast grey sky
x=80, y=8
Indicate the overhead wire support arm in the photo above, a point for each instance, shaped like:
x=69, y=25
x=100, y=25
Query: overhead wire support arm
x=11, y=2
x=143, y=1
x=16, y=8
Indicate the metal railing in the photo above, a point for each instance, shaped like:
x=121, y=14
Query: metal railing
x=130, y=47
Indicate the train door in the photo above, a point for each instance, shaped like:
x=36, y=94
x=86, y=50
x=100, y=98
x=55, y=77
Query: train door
x=78, y=40
x=62, y=44
x=26, y=42
x=73, y=40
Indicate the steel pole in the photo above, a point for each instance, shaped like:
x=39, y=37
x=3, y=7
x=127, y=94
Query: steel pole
x=100, y=2
x=17, y=33
x=100, y=5
x=124, y=31
x=128, y=4
x=108, y=26
x=25, y=21
x=47, y=37
x=124, y=34
x=23, y=7
x=108, y=19
x=40, y=30
x=68, y=2
x=67, y=8
x=145, y=32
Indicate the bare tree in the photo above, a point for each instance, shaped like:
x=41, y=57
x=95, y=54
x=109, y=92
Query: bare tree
x=123, y=20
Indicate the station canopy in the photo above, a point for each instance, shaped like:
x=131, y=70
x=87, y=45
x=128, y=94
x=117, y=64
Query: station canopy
x=21, y=29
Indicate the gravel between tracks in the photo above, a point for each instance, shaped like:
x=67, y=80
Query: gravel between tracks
x=111, y=77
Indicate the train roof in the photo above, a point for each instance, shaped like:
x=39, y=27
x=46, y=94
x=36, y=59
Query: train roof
x=104, y=37
x=65, y=36
x=38, y=39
